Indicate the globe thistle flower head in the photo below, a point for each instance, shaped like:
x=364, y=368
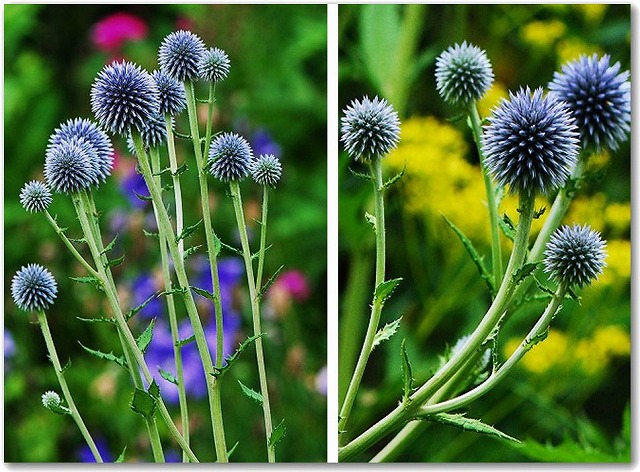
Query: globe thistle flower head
x=266, y=170
x=179, y=55
x=67, y=166
x=599, y=98
x=463, y=74
x=575, y=255
x=51, y=400
x=33, y=288
x=35, y=196
x=173, y=99
x=230, y=157
x=123, y=97
x=214, y=65
x=102, y=159
x=370, y=128
x=531, y=143
x=154, y=131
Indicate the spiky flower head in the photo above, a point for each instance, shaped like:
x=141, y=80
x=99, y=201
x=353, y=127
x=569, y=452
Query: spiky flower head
x=266, y=170
x=531, y=143
x=33, y=288
x=214, y=65
x=599, y=99
x=51, y=400
x=173, y=99
x=67, y=166
x=124, y=96
x=35, y=196
x=102, y=158
x=370, y=128
x=463, y=74
x=575, y=255
x=230, y=157
x=179, y=55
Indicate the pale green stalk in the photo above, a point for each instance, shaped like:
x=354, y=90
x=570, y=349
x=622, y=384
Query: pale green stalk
x=263, y=235
x=171, y=308
x=128, y=341
x=57, y=367
x=488, y=323
x=255, y=312
x=164, y=224
x=211, y=100
x=376, y=307
x=177, y=190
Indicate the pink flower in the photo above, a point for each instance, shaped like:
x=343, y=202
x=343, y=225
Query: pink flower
x=294, y=283
x=110, y=33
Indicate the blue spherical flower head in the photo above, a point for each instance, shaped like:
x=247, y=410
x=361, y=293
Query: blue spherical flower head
x=102, y=158
x=370, y=128
x=35, y=196
x=123, y=97
x=531, y=143
x=173, y=99
x=230, y=157
x=33, y=288
x=266, y=170
x=575, y=255
x=154, y=131
x=179, y=55
x=463, y=74
x=67, y=166
x=214, y=65
x=599, y=99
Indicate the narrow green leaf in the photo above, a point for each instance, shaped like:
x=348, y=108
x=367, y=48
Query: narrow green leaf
x=257, y=254
x=232, y=449
x=525, y=271
x=230, y=248
x=249, y=392
x=370, y=219
x=468, y=424
x=134, y=311
x=507, y=227
x=144, y=198
x=144, y=339
x=110, y=356
x=217, y=244
x=172, y=291
x=475, y=256
x=230, y=360
x=186, y=232
x=538, y=213
x=114, y=262
x=150, y=234
x=366, y=177
x=384, y=290
x=184, y=342
x=190, y=250
x=110, y=245
x=407, y=373
x=574, y=295
x=395, y=178
x=204, y=293
x=120, y=458
x=102, y=319
x=386, y=332
x=143, y=403
x=79, y=240
x=89, y=279
x=167, y=187
x=180, y=170
x=168, y=376
x=154, y=389
x=66, y=366
x=59, y=409
x=277, y=434
x=269, y=282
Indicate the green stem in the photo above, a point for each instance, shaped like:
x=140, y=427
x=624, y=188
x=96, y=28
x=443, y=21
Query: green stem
x=177, y=190
x=475, y=341
x=183, y=282
x=75, y=414
x=211, y=100
x=376, y=308
x=128, y=341
x=171, y=309
x=263, y=235
x=496, y=252
x=255, y=311
x=69, y=245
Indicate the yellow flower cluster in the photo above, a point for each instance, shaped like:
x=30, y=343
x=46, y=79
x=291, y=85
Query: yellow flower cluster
x=542, y=34
x=570, y=49
x=558, y=351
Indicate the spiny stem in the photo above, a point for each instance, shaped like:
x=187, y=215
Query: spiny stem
x=255, y=311
x=177, y=190
x=211, y=100
x=376, y=308
x=496, y=251
x=171, y=308
x=183, y=282
x=75, y=414
x=263, y=235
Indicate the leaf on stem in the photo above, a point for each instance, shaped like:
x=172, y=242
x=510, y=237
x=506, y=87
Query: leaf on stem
x=59, y=409
x=232, y=449
x=168, y=376
x=269, y=282
x=101, y=319
x=525, y=271
x=507, y=227
x=144, y=198
x=252, y=394
x=143, y=403
x=230, y=248
x=459, y=420
x=257, y=254
x=386, y=332
x=407, y=373
x=205, y=293
x=145, y=338
x=79, y=240
x=120, y=458
x=538, y=213
x=217, y=244
x=110, y=356
x=384, y=290
x=475, y=256
x=89, y=279
x=110, y=245
x=230, y=360
x=190, y=250
x=370, y=219
x=134, y=311
x=188, y=231
x=66, y=366
x=184, y=342
x=395, y=178
x=150, y=234
x=114, y=262
x=277, y=434
x=359, y=175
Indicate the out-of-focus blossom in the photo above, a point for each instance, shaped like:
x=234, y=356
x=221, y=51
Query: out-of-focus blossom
x=321, y=381
x=132, y=185
x=9, y=350
x=110, y=33
x=263, y=143
x=143, y=287
x=290, y=286
x=84, y=453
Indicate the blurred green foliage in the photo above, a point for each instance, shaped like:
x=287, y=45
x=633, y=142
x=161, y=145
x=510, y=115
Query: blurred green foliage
x=570, y=391
x=277, y=85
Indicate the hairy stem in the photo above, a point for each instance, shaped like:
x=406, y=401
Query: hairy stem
x=177, y=190
x=263, y=235
x=57, y=367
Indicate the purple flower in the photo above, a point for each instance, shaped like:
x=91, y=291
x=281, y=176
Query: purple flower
x=133, y=183
x=84, y=453
x=143, y=287
x=263, y=143
x=9, y=349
